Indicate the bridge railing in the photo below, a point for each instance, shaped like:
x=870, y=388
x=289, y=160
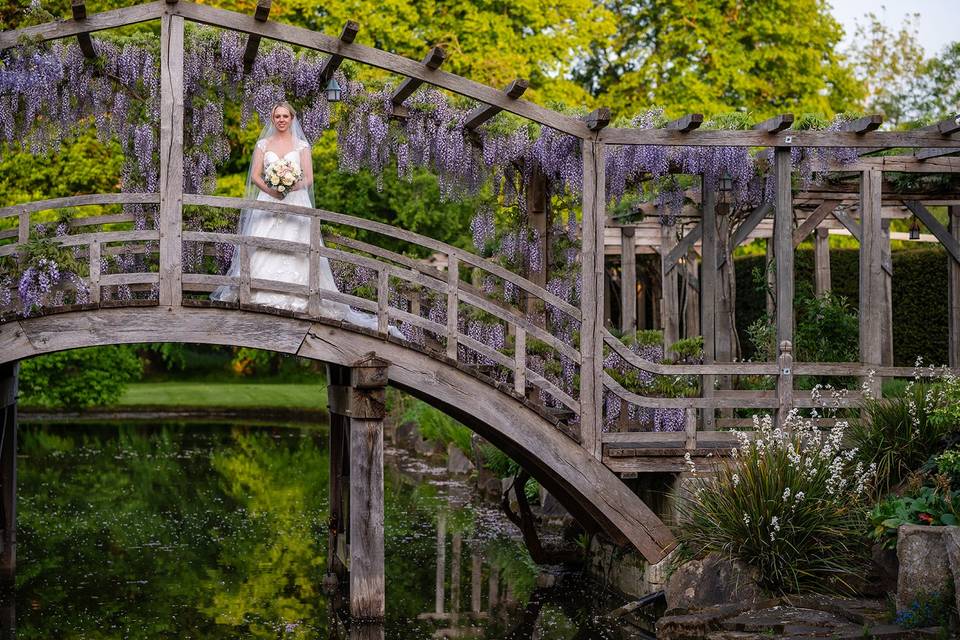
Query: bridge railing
x=449, y=285
x=686, y=432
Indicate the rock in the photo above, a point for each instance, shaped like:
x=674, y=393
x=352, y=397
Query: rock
x=924, y=565
x=711, y=581
x=550, y=507
x=457, y=462
x=488, y=484
x=951, y=540
x=407, y=435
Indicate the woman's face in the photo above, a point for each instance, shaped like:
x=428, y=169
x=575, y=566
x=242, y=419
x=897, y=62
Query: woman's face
x=282, y=118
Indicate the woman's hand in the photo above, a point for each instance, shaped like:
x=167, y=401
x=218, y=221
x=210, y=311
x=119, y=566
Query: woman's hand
x=275, y=193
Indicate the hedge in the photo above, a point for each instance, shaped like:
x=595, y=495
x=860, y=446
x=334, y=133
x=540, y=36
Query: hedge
x=919, y=297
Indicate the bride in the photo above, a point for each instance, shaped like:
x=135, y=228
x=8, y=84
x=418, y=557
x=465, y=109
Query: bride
x=283, y=139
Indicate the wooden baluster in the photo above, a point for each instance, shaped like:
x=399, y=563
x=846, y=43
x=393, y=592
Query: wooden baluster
x=785, y=382
x=23, y=228
x=520, y=361
x=245, y=251
x=313, y=284
x=690, y=428
x=383, y=300
x=95, y=272
x=171, y=160
x=453, y=304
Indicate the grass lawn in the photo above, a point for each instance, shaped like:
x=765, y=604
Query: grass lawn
x=223, y=394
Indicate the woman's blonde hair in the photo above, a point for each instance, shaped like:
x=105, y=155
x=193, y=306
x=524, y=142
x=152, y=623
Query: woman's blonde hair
x=285, y=105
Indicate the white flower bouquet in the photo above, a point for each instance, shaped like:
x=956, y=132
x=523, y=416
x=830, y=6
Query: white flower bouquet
x=282, y=175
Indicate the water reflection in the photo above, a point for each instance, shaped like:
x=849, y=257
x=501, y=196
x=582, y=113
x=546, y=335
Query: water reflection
x=220, y=532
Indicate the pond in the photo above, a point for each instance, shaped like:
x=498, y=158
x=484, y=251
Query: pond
x=219, y=531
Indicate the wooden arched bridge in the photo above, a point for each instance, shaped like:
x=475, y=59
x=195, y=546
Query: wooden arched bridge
x=556, y=432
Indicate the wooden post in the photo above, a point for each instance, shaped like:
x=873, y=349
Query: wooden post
x=953, y=292
x=769, y=264
x=453, y=305
x=784, y=382
x=591, y=299
x=171, y=159
x=95, y=272
x=8, y=472
x=783, y=244
x=539, y=220
x=886, y=311
x=363, y=403
x=476, y=582
x=628, y=280
x=821, y=258
x=691, y=297
x=441, y=562
x=708, y=289
x=338, y=537
x=871, y=274
x=670, y=308
x=493, y=593
x=456, y=558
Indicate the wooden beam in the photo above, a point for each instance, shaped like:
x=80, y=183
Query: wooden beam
x=628, y=280
x=746, y=228
x=83, y=39
x=813, y=221
x=953, y=293
x=9, y=374
x=686, y=124
x=171, y=160
x=261, y=13
x=598, y=119
x=848, y=222
x=96, y=22
x=943, y=235
x=708, y=293
x=483, y=113
x=347, y=36
x=788, y=138
x=864, y=125
x=821, y=259
x=775, y=124
x=434, y=58
x=670, y=307
x=871, y=274
x=783, y=250
x=928, y=154
x=684, y=246
x=591, y=299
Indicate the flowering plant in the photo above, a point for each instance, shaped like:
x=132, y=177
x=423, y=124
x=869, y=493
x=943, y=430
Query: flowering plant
x=282, y=175
x=790, y=503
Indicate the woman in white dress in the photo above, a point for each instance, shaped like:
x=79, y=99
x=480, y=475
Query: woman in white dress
x=283, y=139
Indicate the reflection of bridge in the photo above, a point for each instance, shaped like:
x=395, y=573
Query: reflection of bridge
x=553, y=430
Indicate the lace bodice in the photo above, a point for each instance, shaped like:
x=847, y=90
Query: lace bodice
x=293, y=155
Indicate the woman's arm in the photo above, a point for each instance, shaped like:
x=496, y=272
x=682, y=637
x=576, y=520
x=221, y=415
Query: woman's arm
x=256, y=174
x=306, y=164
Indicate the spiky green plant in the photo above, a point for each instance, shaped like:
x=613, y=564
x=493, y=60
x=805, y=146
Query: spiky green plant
x=788, y=504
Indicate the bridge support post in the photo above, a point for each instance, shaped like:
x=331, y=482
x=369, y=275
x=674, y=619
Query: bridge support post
x=361, y=403
x=8, y=471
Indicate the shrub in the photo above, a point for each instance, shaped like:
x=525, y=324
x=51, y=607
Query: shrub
x=937, y=506
x=789, y=504
x=80, y=378
x=929, y=609
x=947, y=415
x=437, y=426
x=898, y=435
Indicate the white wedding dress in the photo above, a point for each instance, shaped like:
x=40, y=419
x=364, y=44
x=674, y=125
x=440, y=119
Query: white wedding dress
x=283, y=266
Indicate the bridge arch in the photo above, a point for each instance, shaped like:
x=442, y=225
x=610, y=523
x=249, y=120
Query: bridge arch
x=581, y=482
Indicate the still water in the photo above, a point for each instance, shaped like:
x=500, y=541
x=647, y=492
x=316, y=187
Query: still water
x=219, y=531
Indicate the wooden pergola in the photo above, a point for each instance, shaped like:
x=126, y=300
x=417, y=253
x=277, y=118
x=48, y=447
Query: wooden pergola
x=590, y=452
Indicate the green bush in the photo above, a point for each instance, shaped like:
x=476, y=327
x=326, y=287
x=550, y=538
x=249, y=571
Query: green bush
x=96, y=376
x=928, y=505
x=898, y=434
x=786, y=504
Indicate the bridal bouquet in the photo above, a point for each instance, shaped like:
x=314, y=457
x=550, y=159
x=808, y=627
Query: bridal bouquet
x=282, y=174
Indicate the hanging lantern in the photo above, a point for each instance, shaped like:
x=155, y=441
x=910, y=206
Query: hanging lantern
x=334, y=92
x=915, y=229
x=724, y=195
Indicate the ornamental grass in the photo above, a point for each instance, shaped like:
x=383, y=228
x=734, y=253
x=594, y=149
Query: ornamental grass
x=790, y=504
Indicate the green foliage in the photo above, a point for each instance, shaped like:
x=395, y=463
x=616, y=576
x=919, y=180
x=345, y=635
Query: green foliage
x=498, y=462
x=948, y=464
x=96, y=376
x=688, y=350
x=898, y=434
x=929, y=609
x=928, y=505
x=765, y=58
x=437, y=426
x=919, y=302
x=785, y=505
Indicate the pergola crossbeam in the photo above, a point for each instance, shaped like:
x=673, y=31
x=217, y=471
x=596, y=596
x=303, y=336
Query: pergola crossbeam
x=745, y=229
x=776, y=124
x=261, y=14
x=683, y=247
x=686, y=124
x=79, y=9
x=347, y=36
x=484, y=112
x=864, y=125
x=598, y=119
x=813, y=221
x=432, y=61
